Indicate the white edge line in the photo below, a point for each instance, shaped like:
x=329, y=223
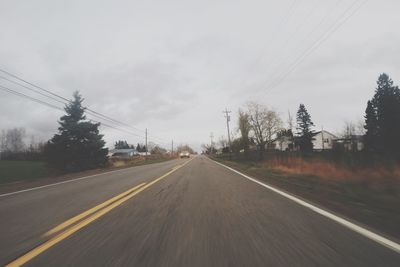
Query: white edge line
x=64, y=182
x=367, y=233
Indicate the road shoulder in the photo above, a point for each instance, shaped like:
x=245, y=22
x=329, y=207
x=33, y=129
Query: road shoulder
x=384, y=223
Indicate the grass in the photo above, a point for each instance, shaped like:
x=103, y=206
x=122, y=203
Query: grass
x=17, y=172
x=13, y=171
x=368, y=195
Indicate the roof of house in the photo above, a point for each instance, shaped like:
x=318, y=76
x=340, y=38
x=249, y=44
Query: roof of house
x=315, y=133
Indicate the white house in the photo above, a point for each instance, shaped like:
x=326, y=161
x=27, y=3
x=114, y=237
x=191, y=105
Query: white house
x=284, y=143
x=323, y=140
x=351, y=143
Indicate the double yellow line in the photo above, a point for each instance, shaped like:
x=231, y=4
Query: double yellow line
x=79, y=221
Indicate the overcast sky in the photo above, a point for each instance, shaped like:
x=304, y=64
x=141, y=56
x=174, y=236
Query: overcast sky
x=173, y=66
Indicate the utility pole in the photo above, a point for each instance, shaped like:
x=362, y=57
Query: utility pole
x=228, y=118
x=172, y=148
x=146, y=141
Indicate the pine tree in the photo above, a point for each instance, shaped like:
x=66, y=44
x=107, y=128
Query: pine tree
x=383, y=118
x=78, y=144
x=304, y=130
x=138, y=148
x=121, y=145
x=371, y=135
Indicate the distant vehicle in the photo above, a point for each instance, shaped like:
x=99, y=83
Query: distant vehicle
x=184, y=154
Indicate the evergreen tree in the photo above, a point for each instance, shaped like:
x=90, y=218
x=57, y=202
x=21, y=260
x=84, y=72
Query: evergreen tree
x=121, y=145
x=78, y=144
x=382, y=118
x=304, y=130
x=138, y=148
x=371, y=136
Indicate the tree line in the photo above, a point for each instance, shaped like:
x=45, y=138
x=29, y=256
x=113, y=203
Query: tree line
x=123, y=144
x=78, y=144
x=16, y=144
x=152, y=147
x=259, y=126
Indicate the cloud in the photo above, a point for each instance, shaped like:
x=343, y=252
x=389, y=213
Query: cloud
x=172, y=67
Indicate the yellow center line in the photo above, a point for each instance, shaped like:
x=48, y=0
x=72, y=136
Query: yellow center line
x=68, y=232
x=177, y=167
x=79, y=217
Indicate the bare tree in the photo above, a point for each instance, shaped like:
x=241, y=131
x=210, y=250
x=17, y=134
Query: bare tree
x=289, y=133
x=265, y=123
x=151, y=146
x=13, y=140
x=244, y=128
x=360, y=129
x=3, y=141
x=182, y=148
x=158, y=150
x=290, y=122
x=349, y=129
x=223, y=142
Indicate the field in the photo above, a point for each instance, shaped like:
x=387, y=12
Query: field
x=19, y=175
x=13, y=171
x=370, y=196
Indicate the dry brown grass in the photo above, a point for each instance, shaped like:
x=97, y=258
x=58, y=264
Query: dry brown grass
x=120, y=162
x=334, y=171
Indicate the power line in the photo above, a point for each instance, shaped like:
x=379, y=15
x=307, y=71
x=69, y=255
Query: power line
x=93, y=113
x=38, y=87
x=278, y=72
x=31, y=89
x=11, y=91
x=282, y=64
x=277, y=58
x=345, y=17
x=63, y=98
x=274, y=35
x=330, y=10
x=54, y=96
x=29, y=97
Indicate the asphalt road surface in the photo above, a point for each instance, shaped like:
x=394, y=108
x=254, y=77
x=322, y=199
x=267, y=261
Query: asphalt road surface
x=176, y=213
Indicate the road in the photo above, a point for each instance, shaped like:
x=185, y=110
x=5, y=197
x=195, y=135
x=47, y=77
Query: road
x=177, y=213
